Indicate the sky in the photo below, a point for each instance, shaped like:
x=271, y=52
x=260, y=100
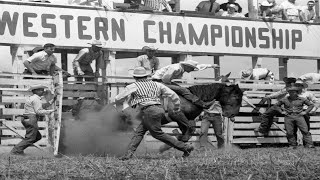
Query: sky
x=233, y=64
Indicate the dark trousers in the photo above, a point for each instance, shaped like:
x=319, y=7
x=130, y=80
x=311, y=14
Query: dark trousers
x=216, y=122
x=41, y=72
x=185, y=92
x=88, y=71
x=292, y=121
x=151, y=121
x=32, y=133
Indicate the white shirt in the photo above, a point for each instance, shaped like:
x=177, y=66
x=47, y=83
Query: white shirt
x=41, y=61
x=310, y=77
x=292, y=9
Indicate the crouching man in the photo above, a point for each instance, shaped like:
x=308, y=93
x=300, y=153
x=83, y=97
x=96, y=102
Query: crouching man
x=145, y=95
x=33, y=113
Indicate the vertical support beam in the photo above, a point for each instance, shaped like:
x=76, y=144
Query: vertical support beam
x=64, y=61
x=317, y=8
x=177, y=6
x=110, y=58
x=283, y=68
x=216, y=60
x=253, y=9
x=17, y=53
x=256, y=62
x=318, y=65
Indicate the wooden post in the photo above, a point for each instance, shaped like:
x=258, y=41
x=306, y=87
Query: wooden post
x=256, y=62
x=318, y=65
x=64, y=61
x=177, y=6
x=253, y=9
x=17, y=53
x=317, y=8
x=283, y=68
x=110, y=58
x=216, y=60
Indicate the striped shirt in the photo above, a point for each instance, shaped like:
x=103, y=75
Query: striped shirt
x=33, y=105
x=158, y=5
x=145, y=92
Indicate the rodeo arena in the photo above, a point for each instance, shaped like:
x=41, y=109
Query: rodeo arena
x=159, y=89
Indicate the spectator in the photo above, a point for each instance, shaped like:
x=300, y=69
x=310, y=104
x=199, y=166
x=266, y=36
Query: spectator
x=149, y=61
x=257, y=74
x=294, y=115
x=43, y=62
x=81, y=63
x=224, y=6
x=232, y=11
x=210, y=6
x=308, y=13
x=211, y=116
x=266, y=8
x=310, y=77
x=290, y=11
x=158, y=5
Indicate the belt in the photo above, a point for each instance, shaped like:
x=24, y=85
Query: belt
x=145, y=107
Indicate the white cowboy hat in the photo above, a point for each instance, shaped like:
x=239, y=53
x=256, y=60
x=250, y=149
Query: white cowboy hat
x=246, y=74
x=139, y=72
x=39, y=86
x=233, y=6
x=150, y=48
x=266, y=3
x=96, y=43
x=299, y=81
x=191, y=63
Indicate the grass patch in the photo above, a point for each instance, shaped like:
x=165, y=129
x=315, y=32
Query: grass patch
x=254, y=164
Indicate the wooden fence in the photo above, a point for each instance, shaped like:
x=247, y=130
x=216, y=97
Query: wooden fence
x=13, y=95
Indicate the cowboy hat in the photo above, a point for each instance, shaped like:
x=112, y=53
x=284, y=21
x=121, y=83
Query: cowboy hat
x=246, y=74
x=191, y=63
x=299, y=81
x=96, y=43
x=233, y=6
x=266, y=3
x=289, y=80
x=139, y=72
x=150, y=48
x=39, y=86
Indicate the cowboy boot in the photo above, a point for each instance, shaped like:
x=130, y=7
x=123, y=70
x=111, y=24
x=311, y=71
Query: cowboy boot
x=128, y=155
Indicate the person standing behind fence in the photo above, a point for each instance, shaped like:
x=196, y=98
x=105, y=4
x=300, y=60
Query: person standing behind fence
x=290, y=11
x=42, y=62
x=82, y=62
x=158, y=5
x=294, y=115
x=145, y=95
x=308, y=13
x=232, y=12
x=33, y=113
x=224, y=6
x=149, y=61
x=210, y=6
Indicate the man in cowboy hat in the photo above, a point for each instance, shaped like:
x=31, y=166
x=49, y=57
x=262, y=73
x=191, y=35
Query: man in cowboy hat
x=149, y=61
x=267, y=117
x=294, y=115
x=42, y=62
x=33, y=113
x=257, y=74
x=232, y=11
x=145, y=95
x=82, y=62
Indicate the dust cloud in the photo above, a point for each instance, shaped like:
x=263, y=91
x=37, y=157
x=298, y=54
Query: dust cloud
x=104, y=133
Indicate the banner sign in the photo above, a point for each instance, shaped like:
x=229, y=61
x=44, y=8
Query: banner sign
x=30, y=24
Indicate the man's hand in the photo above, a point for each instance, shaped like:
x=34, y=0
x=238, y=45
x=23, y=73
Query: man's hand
x=97, y=74
x=80, y=72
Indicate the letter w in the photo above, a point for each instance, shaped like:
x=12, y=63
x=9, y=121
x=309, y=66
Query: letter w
x=12, y=23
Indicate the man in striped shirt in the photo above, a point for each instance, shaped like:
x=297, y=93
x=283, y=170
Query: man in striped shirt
x=158, y=5
x=33, y=113
x=145, y=95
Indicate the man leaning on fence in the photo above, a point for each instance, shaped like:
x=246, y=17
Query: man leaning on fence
x=82, y=62
x=145, y=95
x=210, y=6
x=294, y=116
x=33, y=113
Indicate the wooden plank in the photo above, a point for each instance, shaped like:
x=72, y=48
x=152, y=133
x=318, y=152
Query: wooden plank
x=42, y=124
x=262, y=140
x=80, y=94
x=67, y=87
x=7, y=111
x=26, y=82
x=10, y=99
x=149, y=138
x=23, y=75
x=274, y=132
x=249, y=119
x=17, y=93
x=7, y=132
x=261, y=86
x=10, y=141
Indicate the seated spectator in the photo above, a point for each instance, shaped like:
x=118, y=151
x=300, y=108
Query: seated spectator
x=308, y=13
x=265, y=8
x=210, y=6
x=158, y=5
x=232, y=11
x=257, y=74
x=224, y=6
x=290, y=11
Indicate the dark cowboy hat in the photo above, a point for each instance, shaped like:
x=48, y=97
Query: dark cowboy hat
x=289, y=80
